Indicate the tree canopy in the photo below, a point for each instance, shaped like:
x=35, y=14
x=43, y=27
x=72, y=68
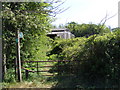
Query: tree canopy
x=80, y=30
x=34, y=20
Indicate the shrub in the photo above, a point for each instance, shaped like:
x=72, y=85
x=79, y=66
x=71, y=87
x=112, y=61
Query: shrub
x=97, y=56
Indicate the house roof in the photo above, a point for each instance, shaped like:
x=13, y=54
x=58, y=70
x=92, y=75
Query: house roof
x=60, y=30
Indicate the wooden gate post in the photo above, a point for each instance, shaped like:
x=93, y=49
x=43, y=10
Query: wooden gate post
x=59, y=67
x=15, y=68
x=1, y=58
x=37, y=68
x=18, y=56
x=26, y=74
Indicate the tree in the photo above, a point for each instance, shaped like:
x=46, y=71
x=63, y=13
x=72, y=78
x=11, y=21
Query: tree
x=80, y=30
x=31, y=18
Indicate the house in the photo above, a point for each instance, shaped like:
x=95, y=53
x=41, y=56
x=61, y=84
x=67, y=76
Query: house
x=61, y=32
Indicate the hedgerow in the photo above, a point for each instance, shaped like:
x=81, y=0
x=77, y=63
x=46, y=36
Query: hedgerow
x=96, y=59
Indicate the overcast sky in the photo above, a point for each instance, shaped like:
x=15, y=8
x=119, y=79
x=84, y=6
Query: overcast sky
x=87, y=11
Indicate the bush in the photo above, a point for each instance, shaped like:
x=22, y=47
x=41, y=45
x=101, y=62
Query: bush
x=97, y=56
x=10, y=76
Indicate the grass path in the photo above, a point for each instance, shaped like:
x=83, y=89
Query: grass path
x=30, y=84
x=36, y=81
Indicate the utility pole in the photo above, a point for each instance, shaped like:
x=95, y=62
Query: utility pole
x=18, y=56
x=119, y=14
x=1, y=73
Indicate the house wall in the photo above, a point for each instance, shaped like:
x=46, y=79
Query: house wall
x=63, y=33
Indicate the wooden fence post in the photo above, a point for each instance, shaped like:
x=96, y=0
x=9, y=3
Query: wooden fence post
x=26, y=74
x=37, y=68
x=1, y=58
x=58, y=68
x=18, y=56
x=15, y=68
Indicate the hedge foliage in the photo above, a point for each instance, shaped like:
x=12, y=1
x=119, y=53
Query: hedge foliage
x=96, y=58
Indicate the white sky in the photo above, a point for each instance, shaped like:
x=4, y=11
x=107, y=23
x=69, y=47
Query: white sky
x=87, y=11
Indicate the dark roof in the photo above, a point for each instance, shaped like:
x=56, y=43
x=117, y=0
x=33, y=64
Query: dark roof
x=60, y=29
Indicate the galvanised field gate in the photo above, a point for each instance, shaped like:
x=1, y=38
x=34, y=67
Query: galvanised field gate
x=39, y=68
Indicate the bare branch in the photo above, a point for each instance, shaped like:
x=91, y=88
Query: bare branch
x=57, y=10
x=104, y=20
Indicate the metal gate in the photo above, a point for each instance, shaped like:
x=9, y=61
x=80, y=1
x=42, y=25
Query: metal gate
x=38, y=68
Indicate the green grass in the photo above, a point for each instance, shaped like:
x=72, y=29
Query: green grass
x=35, y=81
